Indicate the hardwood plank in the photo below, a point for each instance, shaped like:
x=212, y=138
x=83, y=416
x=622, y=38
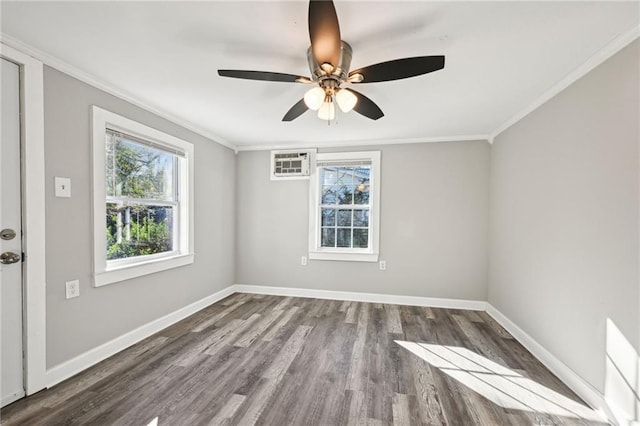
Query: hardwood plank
x=228, y=337
x=473, y=316
x=212, y=320
x=352, y=312
x=497, y=328
x=478, y=340
x=394, y=324
x=285, y=301
x=428, y=313
x=228, y=410
x=271, y=378
x=254, y=332
x=277, y=328
x=401, y=414
x=344, y=306
x=357, y=356
x=190, y=356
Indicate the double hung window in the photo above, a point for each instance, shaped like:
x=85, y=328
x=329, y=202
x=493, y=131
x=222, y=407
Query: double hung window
x=142, y=199
x=344, y=206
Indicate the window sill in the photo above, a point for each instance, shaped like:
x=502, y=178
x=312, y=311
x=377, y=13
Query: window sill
x=346, y=257
x=127, y=272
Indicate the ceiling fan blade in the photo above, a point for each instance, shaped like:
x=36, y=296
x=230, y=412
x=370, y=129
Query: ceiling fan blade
x=366, y=106
x=399, y=69
x=296, y=111
x=324, y=32
x=263, y=75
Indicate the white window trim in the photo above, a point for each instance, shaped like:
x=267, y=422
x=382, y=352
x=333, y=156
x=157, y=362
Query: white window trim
x=345, y=254
x=108, y=274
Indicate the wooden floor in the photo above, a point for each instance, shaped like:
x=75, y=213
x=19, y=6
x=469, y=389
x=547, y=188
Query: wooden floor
x=269, y=360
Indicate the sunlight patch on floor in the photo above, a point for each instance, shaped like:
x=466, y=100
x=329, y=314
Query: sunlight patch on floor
x=497, y=383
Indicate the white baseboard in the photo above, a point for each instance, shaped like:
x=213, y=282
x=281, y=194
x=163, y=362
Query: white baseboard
x=576, y=383
x=433, y=302
x=83, y=361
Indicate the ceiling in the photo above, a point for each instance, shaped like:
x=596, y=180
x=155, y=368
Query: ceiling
x=500, y=57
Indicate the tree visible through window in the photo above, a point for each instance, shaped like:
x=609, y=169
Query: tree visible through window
x=345, y=206
x=344, y=213
x=142, y=199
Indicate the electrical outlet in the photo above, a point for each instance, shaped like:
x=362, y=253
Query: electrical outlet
x=303, y=261
x=383, y=265
x=72, y=288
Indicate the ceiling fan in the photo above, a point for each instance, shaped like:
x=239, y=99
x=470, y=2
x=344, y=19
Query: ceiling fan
x=329, y=60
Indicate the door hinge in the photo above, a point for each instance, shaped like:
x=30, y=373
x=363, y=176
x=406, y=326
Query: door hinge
x=23, y=256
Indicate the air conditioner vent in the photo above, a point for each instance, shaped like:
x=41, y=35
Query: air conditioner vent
x=291, y=164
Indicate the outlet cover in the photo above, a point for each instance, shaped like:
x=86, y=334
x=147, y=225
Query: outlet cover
x=72, y=289
x=63, y=187
x=383, y=265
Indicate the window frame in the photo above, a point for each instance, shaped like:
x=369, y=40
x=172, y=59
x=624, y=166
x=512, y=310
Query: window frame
x=316, y=251
x=108, y=272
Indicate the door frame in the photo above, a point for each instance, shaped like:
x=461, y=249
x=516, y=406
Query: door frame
x=33, y=217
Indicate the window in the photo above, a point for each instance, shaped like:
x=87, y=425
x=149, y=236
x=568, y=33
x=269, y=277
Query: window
x=143, y=201
x=344, y=207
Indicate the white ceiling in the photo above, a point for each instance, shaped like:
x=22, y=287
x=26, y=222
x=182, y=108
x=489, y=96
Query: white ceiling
x=500, y=57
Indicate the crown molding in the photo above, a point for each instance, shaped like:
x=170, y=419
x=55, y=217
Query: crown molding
x=617, y=44
x=365, y=142
x=98, y=83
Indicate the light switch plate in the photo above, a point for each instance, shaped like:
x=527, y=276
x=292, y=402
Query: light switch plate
x=63, y=187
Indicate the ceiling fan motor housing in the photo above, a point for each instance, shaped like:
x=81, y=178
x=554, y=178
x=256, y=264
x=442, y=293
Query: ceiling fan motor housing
x=340, y=70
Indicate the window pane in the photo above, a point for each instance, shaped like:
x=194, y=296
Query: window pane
x=344, y=237
x=344, y=217
x=360, y=238
x=329, y=195
x=361, y=218
x=328, y=237
x=138, y=171
x=345, y=176
x=361, y=194
x=328, y=217
x=137, y=230
x=345, y=194
x=329, y=176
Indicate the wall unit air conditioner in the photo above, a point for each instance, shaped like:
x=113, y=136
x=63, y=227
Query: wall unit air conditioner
x=291, y=164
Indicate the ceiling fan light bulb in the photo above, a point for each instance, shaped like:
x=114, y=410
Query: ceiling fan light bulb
x=356, y=78
x=346, y=100
x=314, y=98
x=327, y=111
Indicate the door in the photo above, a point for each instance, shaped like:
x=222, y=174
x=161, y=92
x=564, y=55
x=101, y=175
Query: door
x=11, y=361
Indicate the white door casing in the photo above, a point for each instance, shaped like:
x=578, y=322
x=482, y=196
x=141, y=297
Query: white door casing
x=33, y=218
x=11, y=347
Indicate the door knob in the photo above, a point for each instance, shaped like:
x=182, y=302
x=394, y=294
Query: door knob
x=8, y=257
x=7, y=234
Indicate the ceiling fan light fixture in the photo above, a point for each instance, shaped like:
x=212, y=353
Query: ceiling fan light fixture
x=346, y=100
x=327, y=111
x=314, y=98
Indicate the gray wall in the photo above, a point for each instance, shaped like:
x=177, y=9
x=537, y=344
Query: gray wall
x=101, y=314
x=434, y=221
x=564, y=217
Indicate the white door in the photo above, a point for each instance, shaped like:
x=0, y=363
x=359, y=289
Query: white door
x=12, y=377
